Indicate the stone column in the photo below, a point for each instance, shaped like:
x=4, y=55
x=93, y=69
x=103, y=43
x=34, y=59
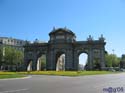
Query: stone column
x=34, y=63
x=54, y=61
x=69, y=60
x=102, y=58
x=75, y=60
x=90, y=60
x=47, y=59
x=25, y=64
x=50, y=60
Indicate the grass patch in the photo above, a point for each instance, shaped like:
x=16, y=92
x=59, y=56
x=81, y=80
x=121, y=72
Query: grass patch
x=67, y=73
x=5, y=75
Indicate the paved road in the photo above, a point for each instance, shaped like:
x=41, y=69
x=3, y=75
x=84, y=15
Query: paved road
x=60, y=84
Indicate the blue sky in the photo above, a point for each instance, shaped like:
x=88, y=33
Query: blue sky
x=31, y=19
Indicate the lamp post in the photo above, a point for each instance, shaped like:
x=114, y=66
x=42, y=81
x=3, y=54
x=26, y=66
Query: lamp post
x=113, y=51
x=112, y=56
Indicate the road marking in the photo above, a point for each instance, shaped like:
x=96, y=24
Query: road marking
x=17, y=78
x=12, y=91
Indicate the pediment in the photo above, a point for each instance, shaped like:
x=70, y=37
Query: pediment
x=60, y=32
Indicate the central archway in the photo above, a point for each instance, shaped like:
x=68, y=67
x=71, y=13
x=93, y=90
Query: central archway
x=60, y=61
x=83, y=60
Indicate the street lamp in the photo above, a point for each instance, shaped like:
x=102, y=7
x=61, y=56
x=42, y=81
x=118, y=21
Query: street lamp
x=113, y=51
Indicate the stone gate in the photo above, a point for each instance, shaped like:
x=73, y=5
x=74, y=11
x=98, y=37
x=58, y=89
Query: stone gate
x=63, y=41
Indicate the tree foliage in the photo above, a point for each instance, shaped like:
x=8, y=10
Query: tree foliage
x=1, y=56
x=112, y=60
x=12, y=57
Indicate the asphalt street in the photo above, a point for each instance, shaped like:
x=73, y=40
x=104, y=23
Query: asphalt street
x=63, y=84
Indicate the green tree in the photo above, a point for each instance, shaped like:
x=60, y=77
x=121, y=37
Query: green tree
x=1, y=56
x=13, y=57
x=112, y=60
x=9, y=55
x=18, y=59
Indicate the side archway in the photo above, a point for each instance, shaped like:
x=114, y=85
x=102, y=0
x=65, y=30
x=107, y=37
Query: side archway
x=60, y=61
x=29, y=65
x=41, y=62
